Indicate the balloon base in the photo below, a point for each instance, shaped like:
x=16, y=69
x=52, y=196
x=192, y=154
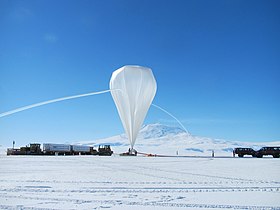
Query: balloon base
x=127, y=154
x=131, y=152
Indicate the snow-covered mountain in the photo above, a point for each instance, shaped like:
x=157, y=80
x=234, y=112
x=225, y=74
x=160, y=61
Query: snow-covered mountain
x=167, y=140
x=153, y=131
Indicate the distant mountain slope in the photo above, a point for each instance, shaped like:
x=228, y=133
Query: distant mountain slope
x=168, y=140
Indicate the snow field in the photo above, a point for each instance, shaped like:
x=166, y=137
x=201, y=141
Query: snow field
x=91, y=182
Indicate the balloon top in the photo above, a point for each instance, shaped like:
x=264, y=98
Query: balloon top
x=130, y=68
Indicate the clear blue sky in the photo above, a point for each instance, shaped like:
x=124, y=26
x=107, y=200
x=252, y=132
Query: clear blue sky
x=217, y=65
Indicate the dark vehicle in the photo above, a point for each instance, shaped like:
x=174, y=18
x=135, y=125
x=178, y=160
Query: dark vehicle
x=104, y=150
x=11, y=151
x=35, y=149
x=274, y=151
x=31, y=149
x=244, y=151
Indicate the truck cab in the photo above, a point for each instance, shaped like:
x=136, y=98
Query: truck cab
x=104, y=150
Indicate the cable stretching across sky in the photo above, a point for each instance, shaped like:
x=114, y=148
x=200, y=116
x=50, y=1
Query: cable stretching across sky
x=171, y=115
x=79, y=96
x=51, y=101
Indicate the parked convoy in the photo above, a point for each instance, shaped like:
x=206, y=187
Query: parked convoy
x=60, y=149
x=273, y=151
x=105, y=150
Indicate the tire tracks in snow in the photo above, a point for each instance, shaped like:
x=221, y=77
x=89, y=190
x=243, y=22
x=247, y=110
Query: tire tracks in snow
x=140, y=190
x=208, y=176
x=135, y=204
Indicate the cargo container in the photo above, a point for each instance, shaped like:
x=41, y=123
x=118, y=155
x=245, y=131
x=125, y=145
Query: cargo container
x=57, y=149
x=80, y=148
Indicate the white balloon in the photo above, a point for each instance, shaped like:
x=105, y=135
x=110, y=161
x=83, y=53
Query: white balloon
x=137, y=88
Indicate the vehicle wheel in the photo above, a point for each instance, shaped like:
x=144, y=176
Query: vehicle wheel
x=240, y=155
x=275, y=156
x=259, y=156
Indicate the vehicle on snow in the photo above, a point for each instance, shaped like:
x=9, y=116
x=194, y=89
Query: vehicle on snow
x=274, y=151
x=31, y=149
x=244, y=151
x=104, y=150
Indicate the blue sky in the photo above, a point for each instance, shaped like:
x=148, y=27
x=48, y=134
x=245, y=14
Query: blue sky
x=216, y=64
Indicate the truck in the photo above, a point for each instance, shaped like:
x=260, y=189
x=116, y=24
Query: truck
x=244, y=151
x=104, y=150
x=31, y=149
x=273, y=151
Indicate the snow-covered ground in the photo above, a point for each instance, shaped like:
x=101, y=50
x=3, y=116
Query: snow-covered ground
x=92, y=182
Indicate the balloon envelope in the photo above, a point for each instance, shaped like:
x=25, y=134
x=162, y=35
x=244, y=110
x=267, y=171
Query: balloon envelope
x=136, y=89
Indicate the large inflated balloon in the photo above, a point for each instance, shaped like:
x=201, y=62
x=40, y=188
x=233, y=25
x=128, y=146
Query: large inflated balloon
x=135, y=90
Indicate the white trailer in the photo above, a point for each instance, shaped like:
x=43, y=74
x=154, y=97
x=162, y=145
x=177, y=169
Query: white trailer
x=56, y=147
x=80, y=148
